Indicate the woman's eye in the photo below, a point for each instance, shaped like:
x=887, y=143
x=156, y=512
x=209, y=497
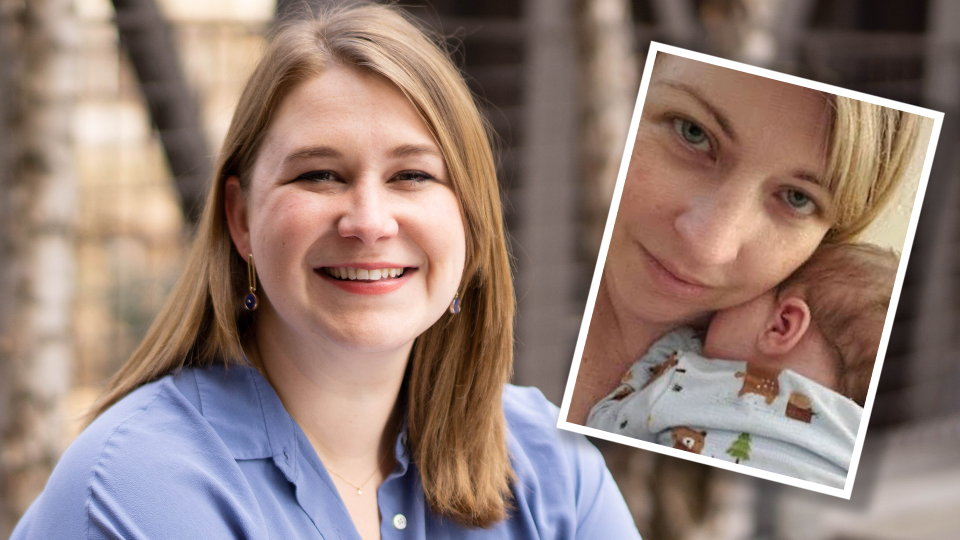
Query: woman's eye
x=798, y=201
x=413, y=176
x=319, y=176
x=692, y=134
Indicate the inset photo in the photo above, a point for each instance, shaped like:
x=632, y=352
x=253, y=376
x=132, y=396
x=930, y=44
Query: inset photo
x=750, y=270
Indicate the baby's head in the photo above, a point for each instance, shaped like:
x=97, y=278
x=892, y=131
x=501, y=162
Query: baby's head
x=823, y=322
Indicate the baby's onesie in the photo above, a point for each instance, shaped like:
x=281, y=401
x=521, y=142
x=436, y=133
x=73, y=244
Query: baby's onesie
x=773, y=420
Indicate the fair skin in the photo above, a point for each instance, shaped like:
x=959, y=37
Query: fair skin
x=775, y=332
x=722, y=200
x=340, y=186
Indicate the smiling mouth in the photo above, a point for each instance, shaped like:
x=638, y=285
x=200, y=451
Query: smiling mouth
x=348, y=273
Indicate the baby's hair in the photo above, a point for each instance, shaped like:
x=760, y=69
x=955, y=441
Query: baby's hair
x=848, y=288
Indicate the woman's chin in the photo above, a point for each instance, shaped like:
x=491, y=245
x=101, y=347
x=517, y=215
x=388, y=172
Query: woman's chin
x=644, y=303
x=378, y=332
x=348, y=329
x=368, y=341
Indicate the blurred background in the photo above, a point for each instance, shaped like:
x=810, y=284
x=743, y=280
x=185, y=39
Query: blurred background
x=111, y=115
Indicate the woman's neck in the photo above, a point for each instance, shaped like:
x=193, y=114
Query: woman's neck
x=345, y=401
x=614, y=342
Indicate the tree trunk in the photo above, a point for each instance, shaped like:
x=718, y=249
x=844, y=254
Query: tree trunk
x=608, y=93
x=38, y=191
x=546, y=201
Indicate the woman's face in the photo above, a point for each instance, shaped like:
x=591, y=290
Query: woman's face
x=722, y=198
x=355, y=230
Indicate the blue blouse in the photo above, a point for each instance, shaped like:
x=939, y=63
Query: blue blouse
x=212, y=453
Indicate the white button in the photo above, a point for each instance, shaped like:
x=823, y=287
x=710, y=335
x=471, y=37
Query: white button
x=399, y=522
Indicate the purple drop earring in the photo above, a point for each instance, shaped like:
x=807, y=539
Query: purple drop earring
x=250, y=301
x=455, y=305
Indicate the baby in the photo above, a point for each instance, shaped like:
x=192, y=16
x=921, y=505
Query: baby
x=787, y=395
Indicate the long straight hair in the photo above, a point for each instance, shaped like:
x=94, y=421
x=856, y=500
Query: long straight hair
x=457, y=430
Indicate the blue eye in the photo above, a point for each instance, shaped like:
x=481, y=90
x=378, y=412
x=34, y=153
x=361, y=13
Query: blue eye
x=798, y=201
x=692, y=134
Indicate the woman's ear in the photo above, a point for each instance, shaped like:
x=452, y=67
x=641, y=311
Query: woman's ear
x=235, y=208
x=788, y=323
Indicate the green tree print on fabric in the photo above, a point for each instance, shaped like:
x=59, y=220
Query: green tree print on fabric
x=740, y=449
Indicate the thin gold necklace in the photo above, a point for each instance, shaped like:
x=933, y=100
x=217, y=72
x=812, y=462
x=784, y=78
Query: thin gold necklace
x=360, y=487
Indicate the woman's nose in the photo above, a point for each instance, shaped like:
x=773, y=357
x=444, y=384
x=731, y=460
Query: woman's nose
x=716, y=227
x=368, y=215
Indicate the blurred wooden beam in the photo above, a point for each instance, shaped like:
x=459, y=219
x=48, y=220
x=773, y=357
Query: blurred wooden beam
x=608, y=85
x=146, y=36
x=547, y=209
x=935, y=330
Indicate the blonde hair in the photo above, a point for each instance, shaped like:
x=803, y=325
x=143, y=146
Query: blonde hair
x=848, y=288
x=457, y=430
x=869, y=153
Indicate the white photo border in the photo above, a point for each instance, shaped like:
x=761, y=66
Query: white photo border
x=656, y=48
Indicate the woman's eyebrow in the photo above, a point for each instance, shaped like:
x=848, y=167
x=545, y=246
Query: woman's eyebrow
x=717, y=114
x=311, y=152
x=406, y=150
x=808, y=176
x=401, y=151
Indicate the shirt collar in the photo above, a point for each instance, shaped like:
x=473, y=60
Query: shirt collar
x=245, y=411
x=249, y=417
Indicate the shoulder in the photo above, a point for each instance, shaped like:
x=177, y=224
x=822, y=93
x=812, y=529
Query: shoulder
x=147, y=467
x=662, y=355
x=540, y=447
x=683, y=339
x=562, y=475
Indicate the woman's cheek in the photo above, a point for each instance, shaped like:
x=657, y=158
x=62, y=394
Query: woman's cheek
x=285, y=228
x=439, y=233
x=648, y=188
x=450, y=221
x=793, y=249
x=668, y=176
x=286, y=219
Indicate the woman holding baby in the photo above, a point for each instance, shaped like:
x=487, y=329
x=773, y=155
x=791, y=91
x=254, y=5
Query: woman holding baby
x=735, y=181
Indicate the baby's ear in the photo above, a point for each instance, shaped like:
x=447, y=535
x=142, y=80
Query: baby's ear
x=787, y=325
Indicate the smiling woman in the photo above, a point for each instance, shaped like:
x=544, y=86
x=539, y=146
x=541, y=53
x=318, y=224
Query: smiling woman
x=313, y=374
x=344, y=173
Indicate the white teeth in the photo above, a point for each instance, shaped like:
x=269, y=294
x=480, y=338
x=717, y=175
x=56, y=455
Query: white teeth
x=346, y=272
